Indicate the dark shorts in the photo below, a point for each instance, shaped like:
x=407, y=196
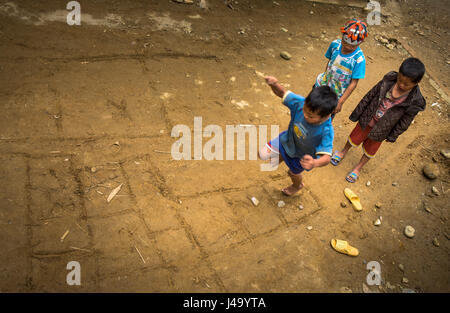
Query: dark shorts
x=292, y=163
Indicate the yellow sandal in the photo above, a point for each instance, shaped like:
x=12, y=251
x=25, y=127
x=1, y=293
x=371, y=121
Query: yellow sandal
x=354, y=199
x=342, y=246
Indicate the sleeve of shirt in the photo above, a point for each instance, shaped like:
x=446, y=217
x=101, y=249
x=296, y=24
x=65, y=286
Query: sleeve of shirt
x=359, y=71
x=326, y=145
x=333, y=45
x=292, y=100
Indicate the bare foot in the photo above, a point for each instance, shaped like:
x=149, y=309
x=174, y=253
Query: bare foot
x=291, y=190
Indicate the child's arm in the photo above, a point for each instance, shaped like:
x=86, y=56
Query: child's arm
x=276, y=87
x=346, y=94
x=308, y=162
x=402, y=125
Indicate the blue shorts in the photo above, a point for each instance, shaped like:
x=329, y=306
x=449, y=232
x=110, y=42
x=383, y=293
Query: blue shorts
x=293, y=163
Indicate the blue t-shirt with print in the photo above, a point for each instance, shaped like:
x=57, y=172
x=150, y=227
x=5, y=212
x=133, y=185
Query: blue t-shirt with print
x=342, y=68
x=302, y=137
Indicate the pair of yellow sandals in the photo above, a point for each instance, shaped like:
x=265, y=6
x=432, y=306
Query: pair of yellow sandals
x=343, y=246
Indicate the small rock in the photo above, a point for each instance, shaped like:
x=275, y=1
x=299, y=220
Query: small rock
x=365, y=288
x=389, y=286
x=346, y=290
x=368, y=184
x=311, y=12
x=383, y=40
x=431, y=171
x=405, y=280
x=309, y=228
x=435, y=191
x=285, y=55
x=401, y=267
x=409, y=231
x=377, y=222
x=427, y=209
x=284, y=29
x=395, y=184
x=378, y=205
x=93, y=169
x=281, y=204
x=300, y=207
x=436, y=242
x=446, y=153
x=343, y=204
x=255, y=201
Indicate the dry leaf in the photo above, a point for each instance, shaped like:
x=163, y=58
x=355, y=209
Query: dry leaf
x=114, y=193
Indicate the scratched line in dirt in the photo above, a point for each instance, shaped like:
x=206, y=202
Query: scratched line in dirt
x=114, y=57
x=29, y=232
x=80, y=139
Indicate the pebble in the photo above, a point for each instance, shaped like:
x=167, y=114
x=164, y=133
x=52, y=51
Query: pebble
x=427, y=209
x=311, y=12
x=284, y=29
x=390, y=46
x=365, y=288
x=368, y=184
x=281, y=204
x=405, y=280
x=409, y=231
x=93, y=169
x=435, y=190
x=343, y=204
x=255, y=201
x=377, y=222
x=285, y=55
x=395, y=184
x=378, y=205
x=446, y=153
x=436, y=242
x=431, y=171
x=300, y=207
x=401, y=267
x=309, y=227
x=389, y=286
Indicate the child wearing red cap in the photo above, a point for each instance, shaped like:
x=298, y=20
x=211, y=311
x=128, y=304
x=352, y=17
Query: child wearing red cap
x=347, y=64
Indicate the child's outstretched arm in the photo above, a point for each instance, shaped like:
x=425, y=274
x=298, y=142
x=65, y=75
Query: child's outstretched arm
x=346, y=94
x=276, y=87
x=308, y=162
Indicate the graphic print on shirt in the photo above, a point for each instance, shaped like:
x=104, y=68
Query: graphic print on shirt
x=300, y=131
x=341, y=69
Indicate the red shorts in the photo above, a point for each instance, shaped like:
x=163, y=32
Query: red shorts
x=359, y=135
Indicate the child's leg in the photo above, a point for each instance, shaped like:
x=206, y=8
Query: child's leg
x=356, y=137
x=363, y=161
x=370, y=148
x=297, y=184
x=344, y=151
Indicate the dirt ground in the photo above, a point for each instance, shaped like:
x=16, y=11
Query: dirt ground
x=88, y=108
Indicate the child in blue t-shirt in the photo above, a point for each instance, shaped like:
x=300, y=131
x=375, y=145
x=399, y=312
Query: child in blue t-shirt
x=347, y=64
x=308, y=142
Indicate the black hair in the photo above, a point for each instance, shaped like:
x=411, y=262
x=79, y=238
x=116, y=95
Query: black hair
x=413, y=68
x=322, y=100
